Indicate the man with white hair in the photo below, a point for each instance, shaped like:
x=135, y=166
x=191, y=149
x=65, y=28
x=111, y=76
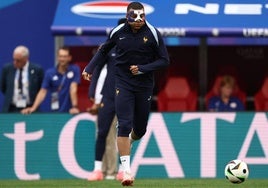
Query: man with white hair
x=20, y=81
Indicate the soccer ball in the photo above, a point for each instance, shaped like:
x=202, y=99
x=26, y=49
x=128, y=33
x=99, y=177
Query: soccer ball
x=236, y=171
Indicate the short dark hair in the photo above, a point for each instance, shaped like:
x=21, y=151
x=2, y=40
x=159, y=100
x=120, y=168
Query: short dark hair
x=65, y=48
x=135, y=5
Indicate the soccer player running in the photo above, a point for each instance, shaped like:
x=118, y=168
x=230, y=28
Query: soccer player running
x=140, y=51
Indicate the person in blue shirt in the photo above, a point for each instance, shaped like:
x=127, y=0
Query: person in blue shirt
x=61, y=83
x=140, y=51
x=225, y=102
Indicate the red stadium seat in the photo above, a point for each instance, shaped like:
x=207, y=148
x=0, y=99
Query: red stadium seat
x=214, y=91
x=177, y=96
x=261, y=97
x=83, y=100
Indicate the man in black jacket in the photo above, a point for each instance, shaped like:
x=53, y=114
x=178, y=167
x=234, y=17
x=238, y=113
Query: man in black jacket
x=20, y=81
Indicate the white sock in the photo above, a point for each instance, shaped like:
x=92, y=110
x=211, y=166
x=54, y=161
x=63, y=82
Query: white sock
x=125, y=162
x=120, y=168
x=97, y=165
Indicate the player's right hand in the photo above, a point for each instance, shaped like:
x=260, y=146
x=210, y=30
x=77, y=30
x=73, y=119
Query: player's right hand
x=86, y=76
x=134, y=69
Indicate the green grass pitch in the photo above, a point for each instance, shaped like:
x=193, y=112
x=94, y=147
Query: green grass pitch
x=139, y=183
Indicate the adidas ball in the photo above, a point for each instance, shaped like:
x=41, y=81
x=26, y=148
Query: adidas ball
x=236, y=171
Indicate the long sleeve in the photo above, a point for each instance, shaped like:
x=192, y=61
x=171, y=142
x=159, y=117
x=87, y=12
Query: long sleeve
x=162, y=60
x=100, y=56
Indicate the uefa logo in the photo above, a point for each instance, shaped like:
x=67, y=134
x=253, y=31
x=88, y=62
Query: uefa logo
x=105, y=9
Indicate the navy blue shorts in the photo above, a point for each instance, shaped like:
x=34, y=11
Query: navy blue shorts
x=132, y=110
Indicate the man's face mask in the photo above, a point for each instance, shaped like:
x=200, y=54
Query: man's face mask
x=136, y=16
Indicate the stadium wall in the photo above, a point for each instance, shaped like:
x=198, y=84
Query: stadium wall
x=27, y=22
x=176, y=145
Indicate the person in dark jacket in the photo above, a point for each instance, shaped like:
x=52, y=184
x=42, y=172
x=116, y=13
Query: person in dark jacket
x=20, y=81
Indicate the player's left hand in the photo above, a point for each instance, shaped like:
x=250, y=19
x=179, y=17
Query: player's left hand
x=86, y=76
x=134, y=69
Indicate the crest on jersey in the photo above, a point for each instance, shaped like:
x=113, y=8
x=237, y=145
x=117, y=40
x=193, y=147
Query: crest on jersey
x=145, y=39
x=117, y=92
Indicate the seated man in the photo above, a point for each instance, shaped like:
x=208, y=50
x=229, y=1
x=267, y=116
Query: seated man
x=225, y=101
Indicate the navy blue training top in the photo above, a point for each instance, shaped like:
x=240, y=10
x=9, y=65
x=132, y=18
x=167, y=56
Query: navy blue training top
x=108, y=89
x=144, y=48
